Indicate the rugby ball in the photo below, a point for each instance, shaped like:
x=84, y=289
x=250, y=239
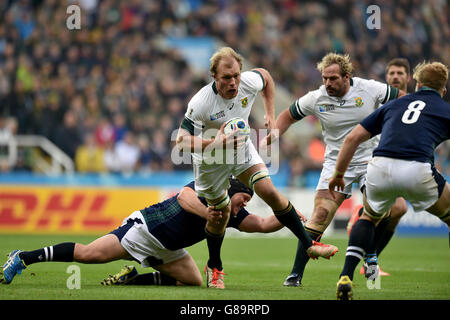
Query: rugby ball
x=238, y=126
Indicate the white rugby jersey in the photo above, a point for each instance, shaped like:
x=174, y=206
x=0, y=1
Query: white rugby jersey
x=339, y=115
x=207, y=110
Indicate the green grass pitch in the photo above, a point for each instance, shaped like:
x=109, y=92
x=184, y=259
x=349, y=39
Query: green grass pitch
x=255, y=269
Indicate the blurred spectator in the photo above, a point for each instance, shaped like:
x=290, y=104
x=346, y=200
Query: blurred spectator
x=89, y=157
x=145, y=154
x=120, y=126
x=105, y=133
x=160, y=151
x=67, y=137
x=115, y=77
x=127, y=153
x=111, y=158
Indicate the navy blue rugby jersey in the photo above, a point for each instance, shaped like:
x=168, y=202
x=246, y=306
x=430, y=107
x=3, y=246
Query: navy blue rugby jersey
x=411, y=127
x=176, y=228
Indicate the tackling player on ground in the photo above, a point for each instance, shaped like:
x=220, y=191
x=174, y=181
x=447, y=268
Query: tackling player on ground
x=155, y=237
x=402, y=164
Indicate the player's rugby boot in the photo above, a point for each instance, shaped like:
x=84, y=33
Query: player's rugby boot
x=214, y=278
x=344, y=289
x=292, y=280
x=125, y=275
x=14, y=265
x=321, y=250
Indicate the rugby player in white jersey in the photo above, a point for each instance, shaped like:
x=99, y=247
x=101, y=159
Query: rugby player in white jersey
x=231, y=94
x=339, y=104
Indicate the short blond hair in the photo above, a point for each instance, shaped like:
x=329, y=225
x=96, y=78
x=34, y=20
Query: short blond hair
x=340, y=59
x=431, y=74
x=219, y=55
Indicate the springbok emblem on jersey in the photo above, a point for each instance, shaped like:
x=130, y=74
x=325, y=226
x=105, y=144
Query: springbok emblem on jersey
x=244, y=102
x=359, y=102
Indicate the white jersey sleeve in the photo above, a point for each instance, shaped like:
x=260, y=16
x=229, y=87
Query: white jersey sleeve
x=304, y=106
x=194, y=118
x=381, y=92
x=253, y=80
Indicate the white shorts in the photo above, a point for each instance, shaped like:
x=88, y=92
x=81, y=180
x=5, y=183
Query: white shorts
x=355, y=173
x=142, y=245
x=389, y=178
x=211, y=180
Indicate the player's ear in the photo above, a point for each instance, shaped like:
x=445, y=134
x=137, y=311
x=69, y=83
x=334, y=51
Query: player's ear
x=346, y=76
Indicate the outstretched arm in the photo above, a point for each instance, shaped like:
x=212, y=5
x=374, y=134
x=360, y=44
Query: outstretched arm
x=357, y=136
x=255, y=223
x=284, y=121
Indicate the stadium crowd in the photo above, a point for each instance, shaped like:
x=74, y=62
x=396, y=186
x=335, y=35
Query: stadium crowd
x=110, y=98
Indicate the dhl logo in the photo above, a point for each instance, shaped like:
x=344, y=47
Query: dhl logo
x=69, y=209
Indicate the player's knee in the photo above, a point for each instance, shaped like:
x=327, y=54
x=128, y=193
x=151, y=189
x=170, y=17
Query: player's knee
x=88, y=254
x=191, y=279
x=197, y=281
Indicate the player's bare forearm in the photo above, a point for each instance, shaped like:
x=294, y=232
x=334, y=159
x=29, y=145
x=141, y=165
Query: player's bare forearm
x=255, y=223
x=188, y=200
x=186, y=141
x=284, y=121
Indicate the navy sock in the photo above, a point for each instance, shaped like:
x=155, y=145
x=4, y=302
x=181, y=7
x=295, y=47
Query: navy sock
x=381, y=237
x=214, y=243
x=383, y=241
x=301, y=257
x=62, y=252
x=289, y=218
x=361, y=239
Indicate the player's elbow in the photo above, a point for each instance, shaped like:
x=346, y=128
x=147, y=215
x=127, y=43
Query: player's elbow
x=180, y=138
x=351, y=139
